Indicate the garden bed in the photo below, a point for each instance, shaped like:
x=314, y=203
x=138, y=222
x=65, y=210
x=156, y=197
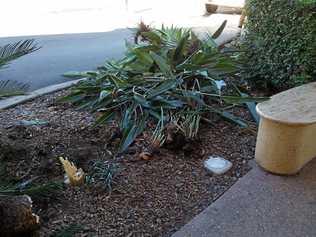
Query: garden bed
x=148, y=197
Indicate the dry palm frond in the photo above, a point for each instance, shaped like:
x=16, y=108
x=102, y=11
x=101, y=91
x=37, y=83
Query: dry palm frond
x=158, y=137
x=188, y=124
x=142, y=27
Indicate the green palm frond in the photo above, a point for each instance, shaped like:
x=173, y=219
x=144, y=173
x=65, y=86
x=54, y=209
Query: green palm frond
x=33, y=190
x=11, y=186
x=220, y=30
x=68, y=230
x=12, y=88
x=10, y=52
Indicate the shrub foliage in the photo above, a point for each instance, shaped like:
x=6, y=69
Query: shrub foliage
x=280, y=43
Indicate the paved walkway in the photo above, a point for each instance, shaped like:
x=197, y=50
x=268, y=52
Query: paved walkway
x=63, y=53
x=86, y=51
x=261, y=205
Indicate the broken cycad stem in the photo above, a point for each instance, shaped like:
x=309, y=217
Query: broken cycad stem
x=75, y=176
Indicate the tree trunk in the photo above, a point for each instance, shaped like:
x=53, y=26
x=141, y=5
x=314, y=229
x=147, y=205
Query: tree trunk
x=16, y=216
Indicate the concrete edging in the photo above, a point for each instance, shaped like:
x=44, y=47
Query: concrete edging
x=260, y=204
x=15, y=100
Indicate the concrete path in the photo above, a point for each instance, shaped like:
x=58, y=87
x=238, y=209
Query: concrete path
x=261, y=205
x=15, y=100
x=63, y=53
x=79, y=52
x=85, y=51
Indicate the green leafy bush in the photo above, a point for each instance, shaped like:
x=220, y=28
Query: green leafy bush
x=168, y=76
x=280, y=43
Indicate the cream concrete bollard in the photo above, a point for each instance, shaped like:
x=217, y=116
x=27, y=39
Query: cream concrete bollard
x=287, y=131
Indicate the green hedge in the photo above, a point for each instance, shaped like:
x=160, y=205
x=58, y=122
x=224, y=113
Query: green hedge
x=280, y=43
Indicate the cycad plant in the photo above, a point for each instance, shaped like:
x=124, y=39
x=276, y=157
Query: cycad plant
x=8, y=53
x=168, y=72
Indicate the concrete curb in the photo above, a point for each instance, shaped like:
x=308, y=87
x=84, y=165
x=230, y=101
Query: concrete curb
x=12, y=101
x=226, y=9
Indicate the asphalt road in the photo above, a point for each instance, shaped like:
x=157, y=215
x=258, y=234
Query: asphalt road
x=63, y=53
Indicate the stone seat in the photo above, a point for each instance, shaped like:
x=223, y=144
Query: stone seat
x=287, y=131
x=227, y=7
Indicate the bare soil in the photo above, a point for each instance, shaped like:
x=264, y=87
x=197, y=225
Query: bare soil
x=148, y=198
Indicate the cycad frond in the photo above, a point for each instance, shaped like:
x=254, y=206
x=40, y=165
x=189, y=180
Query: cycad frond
x=13, y=51
x=8, y=53
x=12, y=88
x=35, y=191
x=10, y=186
